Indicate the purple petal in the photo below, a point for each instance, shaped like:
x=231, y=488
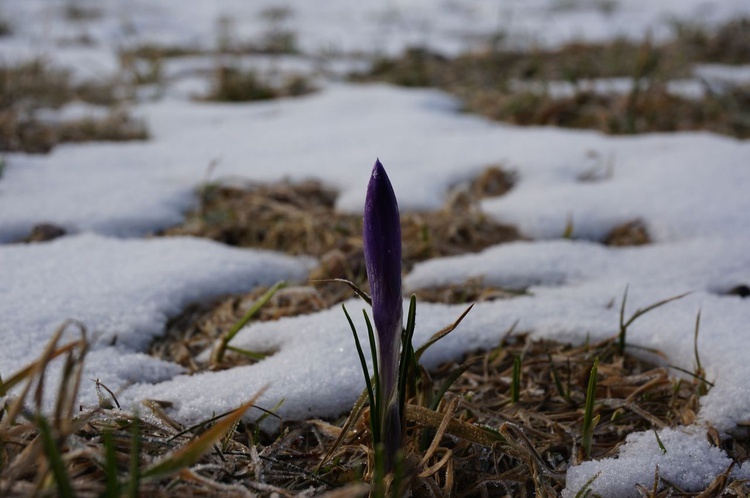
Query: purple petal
x=382, y=245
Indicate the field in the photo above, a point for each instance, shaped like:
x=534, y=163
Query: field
x=181, y=198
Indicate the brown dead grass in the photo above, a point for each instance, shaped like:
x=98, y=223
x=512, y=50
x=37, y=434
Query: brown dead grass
x=633, y=233
x=232, y=84
x=492, y=83
x=301, y=219
x=476, y=442
x=29, y=87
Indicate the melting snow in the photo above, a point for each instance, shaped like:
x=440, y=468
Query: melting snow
x=689, y=189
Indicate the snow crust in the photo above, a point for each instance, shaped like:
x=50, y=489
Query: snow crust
x=340, y=26
x=123, y=292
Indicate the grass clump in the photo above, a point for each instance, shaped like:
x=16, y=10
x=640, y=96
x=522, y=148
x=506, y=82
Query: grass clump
x=502, y=422
x=516, y=86
x=730, y=44
x=231, y=84
x=116, y=126
x=74, y=451
x=27, y=88
x=508, y=421
x=301, y=219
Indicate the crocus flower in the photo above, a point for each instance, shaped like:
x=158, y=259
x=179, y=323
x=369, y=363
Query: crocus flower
x=382, y=247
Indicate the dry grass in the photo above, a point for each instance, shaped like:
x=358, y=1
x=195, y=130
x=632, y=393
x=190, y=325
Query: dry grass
x=231, y=84
x=301, y=219
x=495, y=83
x=29, y=87
x=477, y=441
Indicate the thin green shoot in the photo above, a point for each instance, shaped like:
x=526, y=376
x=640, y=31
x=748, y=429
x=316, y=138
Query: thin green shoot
x=692, y=374
x=661, y=445
x=112, y=486
x=271, y=412
x=589, y=420
x=441, y=333
x=455, y=374
x=134, y=484
x=623, y=329
x=200, y=426
x=363, y=362
x=558, y=383
x=359, y=292
x=253, y=355
x=376, y=403
x=218, y=353
x=353, y=416
x=585, y=490
x=508, y=333
x=407, y=354
x=54, y=458
x=515, y=385
x=192, y=451
x=699, y=372
x=398, y=474
x=378, y=478
x=437, y=397
x=624, y=324
x=569, y=227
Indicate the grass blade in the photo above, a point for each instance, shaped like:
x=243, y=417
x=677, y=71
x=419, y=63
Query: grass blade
x=623, y=327
x=407, y=352
x=354, y=415
x=375, y=404
x=110, y=465
x=515, y=385
x=442, y=333
x=359, y=292
x=54, y=457
x=192, y=451
x=638, y=313
x=134, y=485
x=455, y=374
x=218, y=353
x=362, y=360
x=253, y=355
x=558, y=382
x=589, y=421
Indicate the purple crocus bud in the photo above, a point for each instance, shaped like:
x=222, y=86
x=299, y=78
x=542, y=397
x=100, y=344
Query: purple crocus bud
x=382, y=245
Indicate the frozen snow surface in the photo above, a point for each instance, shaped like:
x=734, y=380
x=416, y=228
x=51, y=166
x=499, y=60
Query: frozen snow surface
x=690, y=190
x=123, y=292
x=427, y=146
x=341, y=26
